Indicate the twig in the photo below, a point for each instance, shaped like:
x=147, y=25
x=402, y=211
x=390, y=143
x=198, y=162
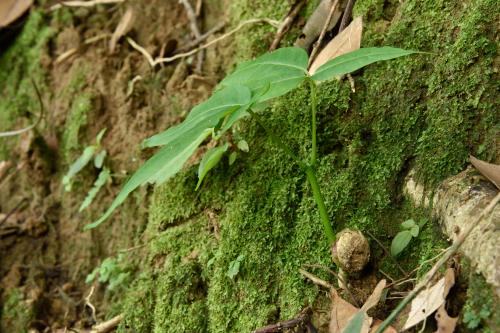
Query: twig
x=287, y=22
x=316, y=280
x=154, y=62
x=347, y=15
x=430, y=275
x=89, y=304
x=303, y=318
x=194, y=29
x=12, y=211
x=202, y=38
x=26, y=129
x=107, y=325
x=65, y=55
x=323, y=32
x=90, y=3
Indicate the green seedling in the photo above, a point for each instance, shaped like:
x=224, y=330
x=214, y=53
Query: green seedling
x=112, y=271
x=240, y=94
x=97, y=154
x=403, y=238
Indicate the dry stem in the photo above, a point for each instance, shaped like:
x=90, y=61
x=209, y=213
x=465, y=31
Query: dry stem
x=323, y=32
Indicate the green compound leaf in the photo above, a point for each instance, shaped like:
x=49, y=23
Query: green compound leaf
x=355, y=60
x=400, y=242
x=209, y=161
x=159, y=168
x=283, y=70
x=77, y=166
x=103, y=177
x=205, y=115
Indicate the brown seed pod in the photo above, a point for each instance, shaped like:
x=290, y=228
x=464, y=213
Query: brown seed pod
x=351, y=251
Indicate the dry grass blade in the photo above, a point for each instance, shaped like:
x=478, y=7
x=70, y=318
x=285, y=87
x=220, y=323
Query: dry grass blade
x=121, y=29
x=488, y=170
x=347, y=41
x=11, y=10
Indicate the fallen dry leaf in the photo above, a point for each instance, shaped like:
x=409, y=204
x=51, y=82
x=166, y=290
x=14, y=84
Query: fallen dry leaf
x=430, y=299
x=488, y=170
x=317, y=20
x=121, y=29
x=375, y=296
x=446, y=324
x=347, y=40
x=343, y=312
x=11, y=10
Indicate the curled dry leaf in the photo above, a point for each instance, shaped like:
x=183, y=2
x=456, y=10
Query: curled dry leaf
x=446, y=324
x=317, y=20
x=11, y=10
x=430, y=299
x=121, y=29
x=343, y=313
x=347, y=40
x=488, y=170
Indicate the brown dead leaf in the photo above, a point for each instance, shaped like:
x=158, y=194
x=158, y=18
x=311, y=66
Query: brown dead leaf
x=430, y=299
x=342, y=312
x=347, y=40
x=11, y=10
x=446, y=324
x=317, y=20
x=488, y=170
x=121, y=29
x=374, y=298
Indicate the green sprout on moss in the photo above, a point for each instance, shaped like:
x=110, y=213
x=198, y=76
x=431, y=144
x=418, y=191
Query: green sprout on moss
x=240, y=94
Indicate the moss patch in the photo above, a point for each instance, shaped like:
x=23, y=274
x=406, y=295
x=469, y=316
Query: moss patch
x=423, y=111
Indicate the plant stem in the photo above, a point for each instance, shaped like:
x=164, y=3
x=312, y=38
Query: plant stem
x=318, y=197
x=314, y=152
x=310, y=173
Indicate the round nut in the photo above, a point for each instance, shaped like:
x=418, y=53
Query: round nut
x=351, y=251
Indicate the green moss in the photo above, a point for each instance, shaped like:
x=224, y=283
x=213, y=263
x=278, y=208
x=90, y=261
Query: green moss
x=481, y=311
x=16, y=314
x=423, y=111
x=17, y=94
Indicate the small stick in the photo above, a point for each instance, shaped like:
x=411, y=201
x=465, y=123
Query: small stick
x=154, y=62
x=316, y=280
x=194, y=29
x=430, y=275
x=65, y=55
x=301, y=319
x=12, y=211
x=90, y=3
x=107, y=326
x=347, y=14
x=323, y=32
x=287, y=22
x=203, y=37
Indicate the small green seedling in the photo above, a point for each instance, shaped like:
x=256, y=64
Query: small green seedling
x=234, y=267
x=111, y=271
x=403, y=238
x=240, y=94
x=97, y=154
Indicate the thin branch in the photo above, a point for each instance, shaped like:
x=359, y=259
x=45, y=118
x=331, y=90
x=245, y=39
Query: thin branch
x=194, y=29
x=154, y=62
x=430, y=275
x=203, y=37
x=347, y=14
x=107, y=326
x=90, y=3
x=287, y=22
x=323, y=32
x=316, y=280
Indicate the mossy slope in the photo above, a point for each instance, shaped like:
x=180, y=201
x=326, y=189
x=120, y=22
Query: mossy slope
x=424, y=111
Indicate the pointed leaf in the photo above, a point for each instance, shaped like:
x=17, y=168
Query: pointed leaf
x=283, y=70
x=205, y=115
x=209, y=161
x=77, y=166
x=408, y=224
x=488, y=170
x=99, y=159
x=400, y=242
x=159, y=168
x=355, y=60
